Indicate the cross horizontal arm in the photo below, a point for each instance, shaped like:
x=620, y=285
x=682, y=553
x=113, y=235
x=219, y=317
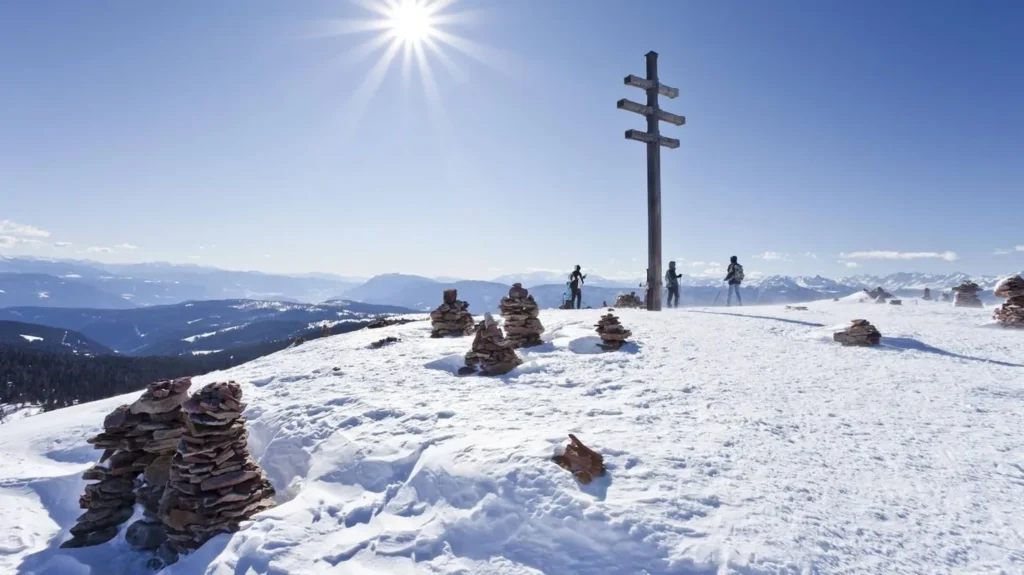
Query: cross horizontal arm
x=645, y=84
x=648, y=138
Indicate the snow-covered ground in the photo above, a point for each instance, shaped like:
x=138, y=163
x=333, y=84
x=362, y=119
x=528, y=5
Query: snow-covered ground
x=737, y=441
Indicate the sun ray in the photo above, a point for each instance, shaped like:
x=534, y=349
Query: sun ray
x=495, y=59
x=347, y=26
x=446, y=61
x=381, y=7
x=360, y=99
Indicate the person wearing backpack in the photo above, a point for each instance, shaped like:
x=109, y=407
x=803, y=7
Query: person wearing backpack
x=576, y=285
x=672, y=283
x=734, y=275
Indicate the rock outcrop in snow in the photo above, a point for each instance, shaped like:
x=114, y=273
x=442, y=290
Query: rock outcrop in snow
x=927, y=294
x=584, y=463
x=1011, y=313
x=214, y=485
x=491, y=354
x=136, y=439
x=629, y=300
x=861, y=332
x=967, y=295
x=611, y=332
x=452, y=317
x=521, y=314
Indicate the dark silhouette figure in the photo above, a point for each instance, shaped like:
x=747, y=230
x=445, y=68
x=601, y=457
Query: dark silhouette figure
x=734, y=275
x=672, y=282
x=576, y=285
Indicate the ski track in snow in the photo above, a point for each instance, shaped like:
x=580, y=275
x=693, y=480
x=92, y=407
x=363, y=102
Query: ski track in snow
x=738, y=441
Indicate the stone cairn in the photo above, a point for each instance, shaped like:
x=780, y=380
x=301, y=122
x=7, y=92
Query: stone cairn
x=452, y=317
x=213, y=485
x=944, y=296
x=927, y=295
x=611, y=332
x=967, y=295
x=879, y=295
x=491, y=354
x=860, y=333
x=629, y=300
x=137, y=439
x=584, y=463
x=522, y=326
x=1011, y=313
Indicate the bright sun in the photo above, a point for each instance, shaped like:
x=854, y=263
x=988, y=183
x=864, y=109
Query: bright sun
x=416, y=33
x=410, y=21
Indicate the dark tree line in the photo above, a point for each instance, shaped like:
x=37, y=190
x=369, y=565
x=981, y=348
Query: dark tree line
x=53, y=380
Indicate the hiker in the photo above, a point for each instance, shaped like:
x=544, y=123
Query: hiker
x=734, y=275
x=672, y=282
x=576, y=285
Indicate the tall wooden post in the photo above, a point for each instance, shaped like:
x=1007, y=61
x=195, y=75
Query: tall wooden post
x=654, y=140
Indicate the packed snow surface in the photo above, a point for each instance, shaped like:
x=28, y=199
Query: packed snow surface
x=737, y=441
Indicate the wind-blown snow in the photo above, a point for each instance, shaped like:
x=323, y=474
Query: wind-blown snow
x=737, y=440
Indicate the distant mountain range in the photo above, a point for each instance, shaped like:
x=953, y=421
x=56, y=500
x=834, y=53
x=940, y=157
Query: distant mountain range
x=200, y=327
x=72, y=283
x=27, y=282
x=49, y=339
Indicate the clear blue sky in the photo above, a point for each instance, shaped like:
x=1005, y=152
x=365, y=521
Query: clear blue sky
x=222, y=133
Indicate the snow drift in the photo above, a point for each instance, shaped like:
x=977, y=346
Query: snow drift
x=735, y=441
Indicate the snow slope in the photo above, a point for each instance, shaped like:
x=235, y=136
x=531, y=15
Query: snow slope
x=738, y=441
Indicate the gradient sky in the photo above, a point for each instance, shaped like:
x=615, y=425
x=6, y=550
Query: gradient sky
x=827, y=137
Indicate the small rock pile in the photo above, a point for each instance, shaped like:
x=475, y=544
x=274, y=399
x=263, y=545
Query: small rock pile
x=629, y=300
x=967, y=295
x=584, y=463
x=491, y=353
x=879, y=295
x=896, y=302
x=1011, y=313
x=452, y=317
x=797, y=307
x=382, y=342
x=611, y=332
x=927, y=294
x=386, y=321
x=521, y=312
x=137, y=439
x=213, y=484
x=860, y=333
x=945, y=296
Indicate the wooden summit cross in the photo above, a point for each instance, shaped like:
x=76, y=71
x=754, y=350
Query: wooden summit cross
x=654, y=140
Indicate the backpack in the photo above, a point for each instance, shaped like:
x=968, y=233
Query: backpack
x=737, y=273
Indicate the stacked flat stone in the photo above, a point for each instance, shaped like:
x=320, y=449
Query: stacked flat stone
x=611, y=332
x=1011, y=313
x=861, y=332
x=491, y=354
x=137, y=439
x=927, y=294
x=629, y=300
x=213, y=484
x=521, y=312
x=452, y=317
x=967, y=295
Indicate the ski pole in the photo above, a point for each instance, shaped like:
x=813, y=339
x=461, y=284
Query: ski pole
x=716, y=297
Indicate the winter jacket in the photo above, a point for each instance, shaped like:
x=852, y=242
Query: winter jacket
x=672, y=278
x=729, y=274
